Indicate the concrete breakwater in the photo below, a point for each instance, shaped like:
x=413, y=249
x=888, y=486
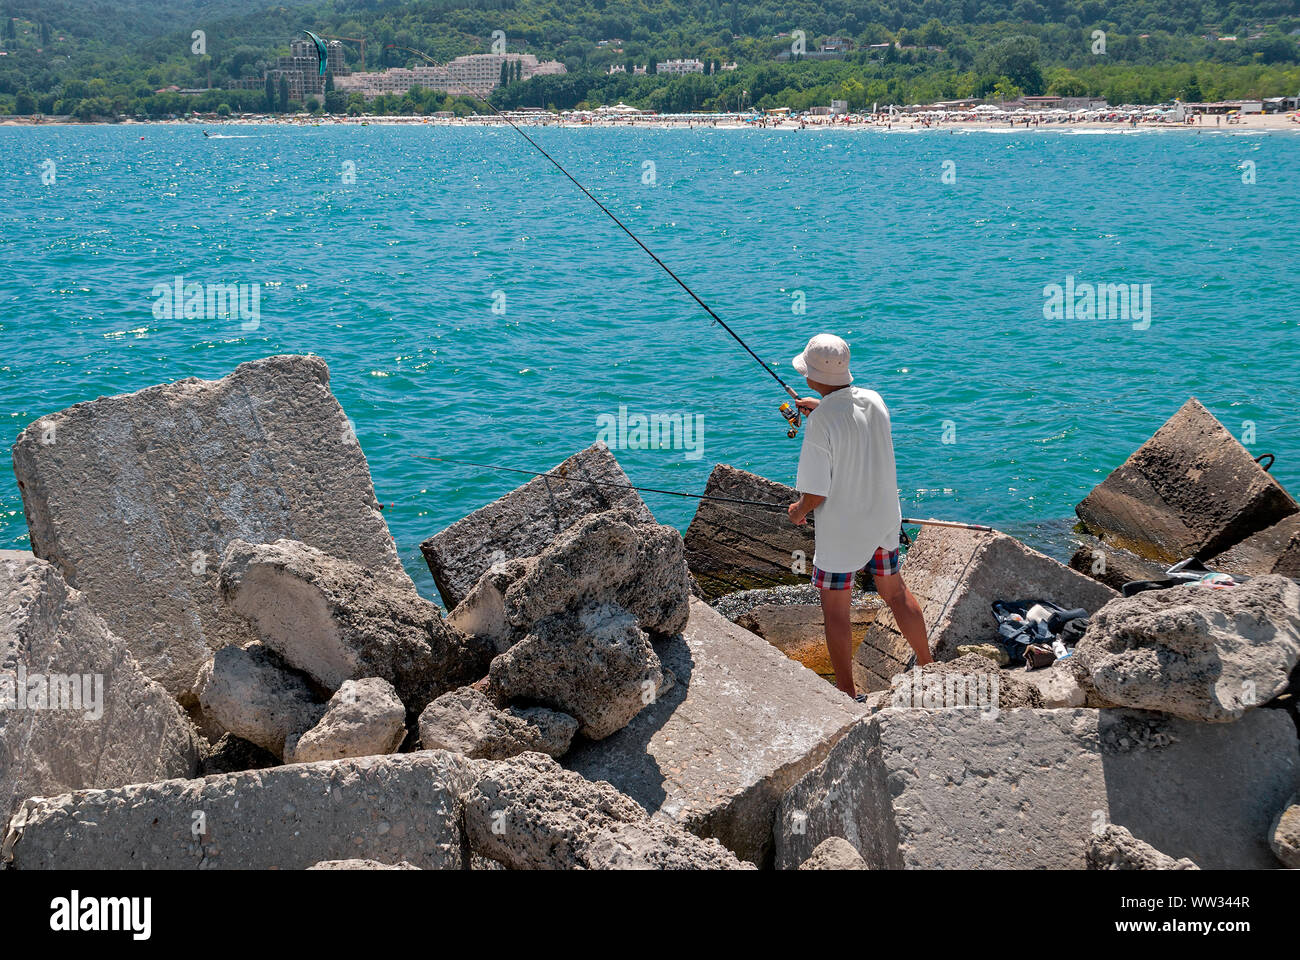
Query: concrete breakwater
x=277, y=694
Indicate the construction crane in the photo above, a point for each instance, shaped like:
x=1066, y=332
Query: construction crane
x=357, y=40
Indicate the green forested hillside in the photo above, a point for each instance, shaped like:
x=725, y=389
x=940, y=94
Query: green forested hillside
x=102, y=58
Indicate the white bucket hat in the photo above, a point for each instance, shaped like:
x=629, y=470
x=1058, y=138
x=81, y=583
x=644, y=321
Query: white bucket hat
x=825, y=360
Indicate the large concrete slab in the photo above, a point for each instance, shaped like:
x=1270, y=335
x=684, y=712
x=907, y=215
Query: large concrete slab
x=134, y=498
x=1113, y=566
x=1029, y=789
x=731, y=546
x=525, y=521
x=1273, y=550
x=530, y=814
x=716, y=753
x=406, y=807
x=75, y=710
x=799, y=631
x=956, y=575
x=1191, y=490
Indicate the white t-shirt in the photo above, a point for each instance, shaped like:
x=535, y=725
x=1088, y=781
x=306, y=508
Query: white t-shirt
x=848, y=458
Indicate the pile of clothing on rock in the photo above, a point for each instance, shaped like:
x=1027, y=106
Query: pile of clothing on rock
x=1038, y=633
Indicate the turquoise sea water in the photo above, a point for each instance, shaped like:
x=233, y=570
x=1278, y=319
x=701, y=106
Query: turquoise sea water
x=938, y=287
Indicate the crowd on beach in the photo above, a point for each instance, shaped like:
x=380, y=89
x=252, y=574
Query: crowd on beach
x=912, y=119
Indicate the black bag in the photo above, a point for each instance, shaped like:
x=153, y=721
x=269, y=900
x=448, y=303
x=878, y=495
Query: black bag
x=1015, y=632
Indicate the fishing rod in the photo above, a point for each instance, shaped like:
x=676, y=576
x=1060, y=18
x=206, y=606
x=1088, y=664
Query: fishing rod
x=789, y=412
x=677, y=493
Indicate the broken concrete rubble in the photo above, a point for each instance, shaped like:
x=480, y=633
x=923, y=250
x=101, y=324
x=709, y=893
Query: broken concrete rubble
x=597, y=666
x=1196, y=652
x=530, y=814
x=968, y=681
x=1026, y=788
x=1191, y=490
x=1114, y=566
x=1284, y=834
x=1273, y=550
x=956, y=575
x=607, y=558
x=466, y=722
x=1059, y=685
x=1114, y=848
x=336, y=621
x=716, y=753
x=388, y=809
x=834, y=853
x=75, y=710
x=610, y=557
x=231, y=754
x=525, y=521
x=252, y=694
x=135, y=498
x=731, y=546
x=364, y=718
x=361, y=865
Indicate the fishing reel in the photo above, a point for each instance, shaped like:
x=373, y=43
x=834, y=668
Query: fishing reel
x=791, y=414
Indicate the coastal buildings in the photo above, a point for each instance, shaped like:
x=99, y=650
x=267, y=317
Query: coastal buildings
x=679, y=67
x=477, y=74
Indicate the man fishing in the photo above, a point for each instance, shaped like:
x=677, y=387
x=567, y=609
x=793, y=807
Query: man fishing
x=848, y=481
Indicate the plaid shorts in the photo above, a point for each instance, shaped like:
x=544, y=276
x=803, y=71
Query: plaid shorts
x=883, y=563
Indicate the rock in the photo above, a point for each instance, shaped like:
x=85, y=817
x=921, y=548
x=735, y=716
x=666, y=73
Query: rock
x=730, y=546
x=135, y=497
x=364, y=718
x=466, y=722
x=877, y=701
x=1025, y=789
x=231, y=754
x=799, y=632
x=610, y=557
x=1057, y=685
x=991, y=651
x=1284, y=834
x=252, y=694
x=834, y=853
x=530, y=814
x=361, y=865
x=1272, y=550
x=1117, y=849
x=733, y=606
x=526, y=520
x=956, y=575
x=1195, y=652
x=717, y=752
x=1191, y=490
x=400, y=807
x=482, y=613
x=598, y=667
x=1114, y=566
x=336, y=621
x=969, y=681
x=75, y=710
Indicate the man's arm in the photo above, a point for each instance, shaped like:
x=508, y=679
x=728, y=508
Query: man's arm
x=806, y=504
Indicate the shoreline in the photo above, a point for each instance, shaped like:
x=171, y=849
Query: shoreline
x=1262, y=123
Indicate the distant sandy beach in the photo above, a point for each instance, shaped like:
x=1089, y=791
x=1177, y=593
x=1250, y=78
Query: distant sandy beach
x=905, y=123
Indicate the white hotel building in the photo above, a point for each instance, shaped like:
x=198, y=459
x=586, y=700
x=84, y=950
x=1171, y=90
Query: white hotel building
x=477, y=73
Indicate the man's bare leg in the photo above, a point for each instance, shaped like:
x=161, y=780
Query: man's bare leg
x=907, y=614
x=836, y=605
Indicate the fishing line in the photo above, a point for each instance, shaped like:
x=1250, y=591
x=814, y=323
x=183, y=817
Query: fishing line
x=622, y=226
x=677, y=493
